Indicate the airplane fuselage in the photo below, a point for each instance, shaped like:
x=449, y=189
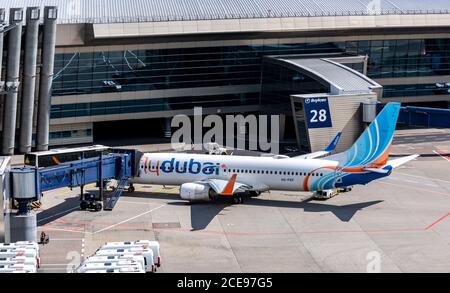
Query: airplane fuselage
x=274, y=173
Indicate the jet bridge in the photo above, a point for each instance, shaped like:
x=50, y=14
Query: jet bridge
x=26, y=184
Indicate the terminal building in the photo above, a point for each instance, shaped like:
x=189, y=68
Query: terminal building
x=129, y=66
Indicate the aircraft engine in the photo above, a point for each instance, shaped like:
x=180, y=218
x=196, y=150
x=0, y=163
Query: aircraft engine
x=196, y=192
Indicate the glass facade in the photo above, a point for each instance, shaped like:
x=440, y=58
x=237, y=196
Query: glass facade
x=279, y=82
x=415, y=90
x=150, y=105
x=70, y=134
x=160, y=69
x=404, y=58
x=137, y=70
x=99, y=72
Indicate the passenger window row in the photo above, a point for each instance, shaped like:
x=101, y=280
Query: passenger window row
x=246, y=171
x=290, y=173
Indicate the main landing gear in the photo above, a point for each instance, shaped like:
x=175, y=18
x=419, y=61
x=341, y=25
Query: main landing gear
x=237, y=199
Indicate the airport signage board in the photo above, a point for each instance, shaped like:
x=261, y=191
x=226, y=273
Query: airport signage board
x=317, y=112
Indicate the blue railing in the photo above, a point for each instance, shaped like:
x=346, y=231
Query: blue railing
x=423, y=117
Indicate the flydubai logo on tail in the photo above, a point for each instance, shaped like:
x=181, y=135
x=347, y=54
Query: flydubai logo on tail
x=182, y=167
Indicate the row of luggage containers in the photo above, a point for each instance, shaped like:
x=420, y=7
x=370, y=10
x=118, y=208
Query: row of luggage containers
x=140, y=256
x=19, y=257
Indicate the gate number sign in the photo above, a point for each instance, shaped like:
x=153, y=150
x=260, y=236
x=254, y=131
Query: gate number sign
x=317, y=112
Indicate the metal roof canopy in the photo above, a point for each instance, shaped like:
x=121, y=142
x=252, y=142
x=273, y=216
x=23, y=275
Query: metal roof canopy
x=119, y=11
x=342, y=79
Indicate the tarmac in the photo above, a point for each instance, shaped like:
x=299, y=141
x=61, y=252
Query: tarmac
x=397, y=224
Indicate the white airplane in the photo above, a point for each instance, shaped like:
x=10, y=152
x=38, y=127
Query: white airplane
x=206, y=177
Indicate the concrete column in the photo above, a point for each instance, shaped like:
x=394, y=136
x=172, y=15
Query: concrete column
x=21, y=227
x=12, y=81
x=45, y=86
x=29, y=79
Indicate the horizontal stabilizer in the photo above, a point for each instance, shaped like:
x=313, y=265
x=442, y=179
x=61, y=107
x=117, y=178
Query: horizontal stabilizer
x=400, y=161
x=377, y=170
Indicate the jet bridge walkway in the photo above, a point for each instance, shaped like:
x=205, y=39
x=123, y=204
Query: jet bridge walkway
x=29, y=182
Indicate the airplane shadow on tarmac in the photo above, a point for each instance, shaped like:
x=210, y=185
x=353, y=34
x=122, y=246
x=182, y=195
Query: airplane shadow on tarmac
x=345, y=212
x=203, y=213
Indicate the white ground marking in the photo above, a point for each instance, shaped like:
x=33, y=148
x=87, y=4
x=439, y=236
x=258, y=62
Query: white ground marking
x=135, y=202
x=82, y=249
x=410, y=181
x=437, y=153
x=127, y=220
x=421, y=177
x=431, y=185
x=65, y=230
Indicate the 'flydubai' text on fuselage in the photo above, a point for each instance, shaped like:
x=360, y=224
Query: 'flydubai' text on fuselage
x=191, y=167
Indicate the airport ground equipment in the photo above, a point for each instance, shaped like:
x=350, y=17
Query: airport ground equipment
x=213, y=148
x=147, y=254
x=78, y=167
x=116, y=255
x=21, y=256
x=115, y=259
x=138, y=244
x=325, y=194
x=128, y=265
x=71, y=168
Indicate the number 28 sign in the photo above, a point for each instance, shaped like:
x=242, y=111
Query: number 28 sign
x=317, y=112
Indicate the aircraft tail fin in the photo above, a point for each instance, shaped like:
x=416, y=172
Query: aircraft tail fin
x=332, y=146
x=372, y=148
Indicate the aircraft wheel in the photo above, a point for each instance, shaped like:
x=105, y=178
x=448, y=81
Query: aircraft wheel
x=131, y=189
x=236, y=200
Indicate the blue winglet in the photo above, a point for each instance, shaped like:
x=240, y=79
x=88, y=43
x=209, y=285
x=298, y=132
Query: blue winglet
x=332, y=146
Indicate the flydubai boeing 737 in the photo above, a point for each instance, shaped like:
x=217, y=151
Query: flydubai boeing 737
x=206, y=177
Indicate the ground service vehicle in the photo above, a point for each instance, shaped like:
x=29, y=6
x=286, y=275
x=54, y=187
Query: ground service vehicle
x=105, y=266
x=146, y=244
x=117, y=258
x=147, y=254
